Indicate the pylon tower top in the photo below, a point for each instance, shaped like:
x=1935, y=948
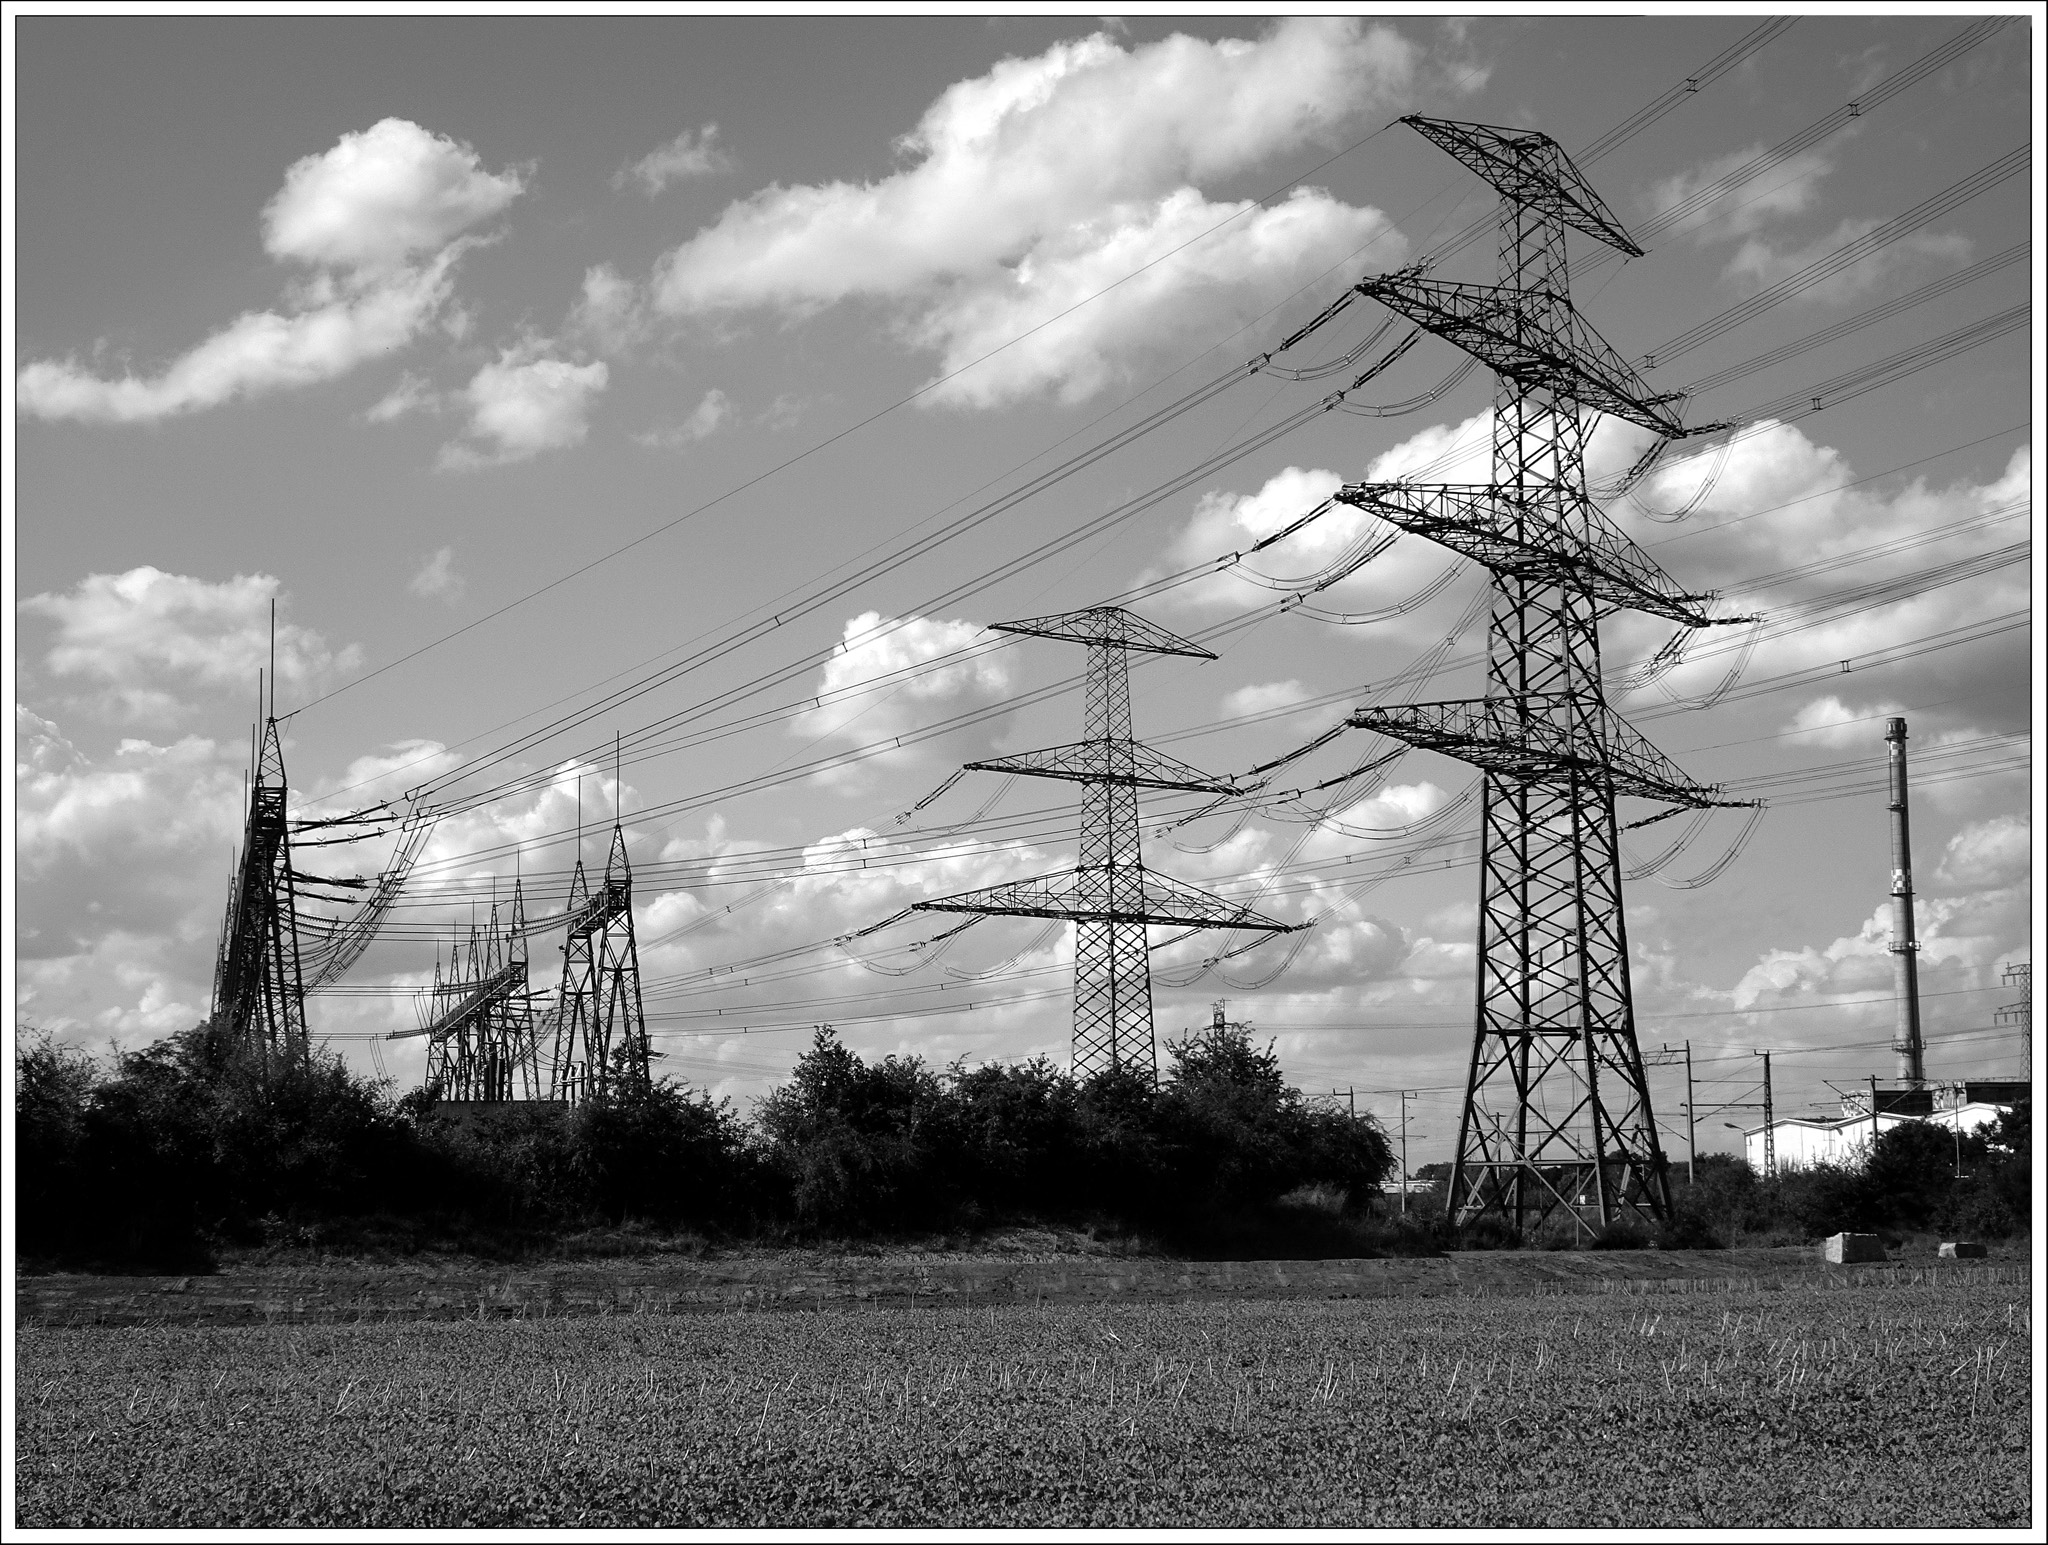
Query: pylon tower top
x=1106, y=625
x=1533, y=170
x=1109, y=896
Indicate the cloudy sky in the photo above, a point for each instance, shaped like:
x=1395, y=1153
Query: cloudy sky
x=694, y=391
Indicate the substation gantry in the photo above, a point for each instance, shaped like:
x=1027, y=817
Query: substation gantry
x=486, y=1042
x=259, y=994
x=1110, y=896
x=1557, y=1109
x=599, y=1026
x=482, y=1040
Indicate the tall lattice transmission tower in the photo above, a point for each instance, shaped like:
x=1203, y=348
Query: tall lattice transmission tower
x=2020, y=975
x=1110, y=896
x=1557, y=1109
x=600, y=1028
x=480, y=1030
x=259, y=995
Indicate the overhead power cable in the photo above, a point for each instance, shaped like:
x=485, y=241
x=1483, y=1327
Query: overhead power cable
x=1891, y=308
x=2011, y=164
x=1849, y=112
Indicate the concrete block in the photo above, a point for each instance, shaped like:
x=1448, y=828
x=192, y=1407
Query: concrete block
x=1962, y=1250
x=1848, y=1249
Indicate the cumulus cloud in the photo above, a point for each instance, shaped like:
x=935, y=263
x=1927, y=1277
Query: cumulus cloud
x=1262, y=697
x=412, y=394
x=437, y=579
x=380, y=197
x=1780, y=509
x=1828, y=721
x=710, y=415
x=142, y=641
x=380, y=220
x=1035, y=185
x=1746, y=207
x=259, y=352
x=122, y=863
x=1404, y=577
x=610, y=313
x=692, y=153
x=1987, y=854
x=523, y=403
x=1757, y=263
x=893, y=675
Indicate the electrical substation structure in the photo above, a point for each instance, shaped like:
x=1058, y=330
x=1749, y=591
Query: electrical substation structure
x=259, y=994
x=1557, y=1111
x=599, y=1026
x=482, y=1044
x=1110, y=896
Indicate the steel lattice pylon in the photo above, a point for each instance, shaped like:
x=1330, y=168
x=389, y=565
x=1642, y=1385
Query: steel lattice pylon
x=481, y=1040
x=1110, y=896
x=1557, y=1108
x=600, y=1029
x=259, y=998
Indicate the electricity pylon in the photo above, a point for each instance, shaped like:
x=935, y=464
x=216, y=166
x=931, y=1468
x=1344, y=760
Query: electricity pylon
x=1111, y=897
x=259, y=997
x=600, y=1028
x=481, y=1044
x=1557, y=1108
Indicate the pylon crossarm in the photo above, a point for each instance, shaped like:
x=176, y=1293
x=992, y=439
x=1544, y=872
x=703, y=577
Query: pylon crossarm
x=1100, y=761
x=592, y=915
x=1531, y=169
x=1106, y=625
x=1078, y=895
x=506, y=983
x=1488, y=523
x=1488, y=322
x=1518, y=737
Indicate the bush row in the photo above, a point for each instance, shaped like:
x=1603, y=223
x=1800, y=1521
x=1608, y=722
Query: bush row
x=171, y=1151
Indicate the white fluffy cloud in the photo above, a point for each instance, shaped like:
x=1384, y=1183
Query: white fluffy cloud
x=1789, y=190
x=885, y=681
x=523, y=403
x=610, y=313
x=381, y=197
x=1987, y=854
x=142, y=642
x=1781, y=502
x=1038, y=183
x=692, y=153
x=1757, y=263
x=710, y=415
x=1403, y=571
x=122, y=865
x=380, y=219
x=437, y=579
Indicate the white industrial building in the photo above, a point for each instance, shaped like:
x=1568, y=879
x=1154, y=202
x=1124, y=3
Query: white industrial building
x=1804, y=1141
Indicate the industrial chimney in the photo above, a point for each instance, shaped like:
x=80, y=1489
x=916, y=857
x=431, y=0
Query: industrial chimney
x=1910, y=1068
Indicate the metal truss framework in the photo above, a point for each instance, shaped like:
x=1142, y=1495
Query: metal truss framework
x=482, y=1043
x=259, y=996
x=599, y=1026
x=1109, y=896
x=1557, y=1110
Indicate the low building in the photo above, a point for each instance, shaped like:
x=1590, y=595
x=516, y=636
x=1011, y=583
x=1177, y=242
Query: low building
x=1802, y=1142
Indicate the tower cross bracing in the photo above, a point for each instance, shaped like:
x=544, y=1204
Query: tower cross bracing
x=1557, y=1112
x=599, y=1024
x=1110, y=896
x=259, y=996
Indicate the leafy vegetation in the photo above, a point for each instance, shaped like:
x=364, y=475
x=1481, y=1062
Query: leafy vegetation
x=1873, y=1406
x=1919, y=1178
x=174, y=1151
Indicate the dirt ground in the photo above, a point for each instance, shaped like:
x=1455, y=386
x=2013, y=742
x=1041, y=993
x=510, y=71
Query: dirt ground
x=1020, y=1269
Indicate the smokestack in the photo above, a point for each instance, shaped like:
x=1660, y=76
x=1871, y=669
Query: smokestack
x=1905, y=947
